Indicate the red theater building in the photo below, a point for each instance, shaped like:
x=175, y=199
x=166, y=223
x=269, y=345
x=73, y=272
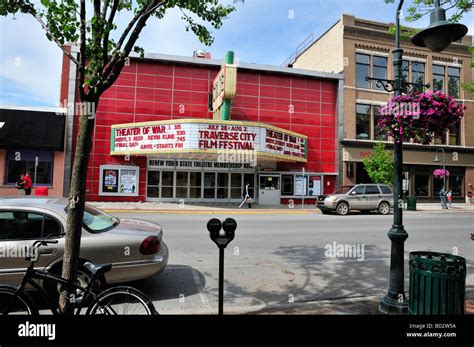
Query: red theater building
x=197, y=129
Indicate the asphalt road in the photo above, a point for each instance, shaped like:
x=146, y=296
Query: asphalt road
x=281, y=259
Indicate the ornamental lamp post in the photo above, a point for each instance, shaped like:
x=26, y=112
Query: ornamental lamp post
x=436, y=160
x=436, y=37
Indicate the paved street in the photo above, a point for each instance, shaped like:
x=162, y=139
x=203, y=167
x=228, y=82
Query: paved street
x=280, y=260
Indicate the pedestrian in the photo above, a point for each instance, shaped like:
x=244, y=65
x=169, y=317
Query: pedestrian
x=450, y=198
x=246, y=196
x=28, y=184
x=20, y=185
x=442, y=198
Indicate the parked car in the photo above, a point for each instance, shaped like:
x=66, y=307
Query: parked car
x=135, y=248
x=361, y=197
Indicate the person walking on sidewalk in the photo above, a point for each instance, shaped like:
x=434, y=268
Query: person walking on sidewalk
x=28, y=184
x=20, y=185
x=450, y=198
x=246, y=196
x=442, y=198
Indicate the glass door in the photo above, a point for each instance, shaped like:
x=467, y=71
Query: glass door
x=236, y=186
x=182, y=185
x=222, y=185
x=209, y=185
x=167, y=184
x=153, y=184
x=195, y=185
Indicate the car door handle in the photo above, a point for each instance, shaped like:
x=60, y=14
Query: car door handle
x=46, y=251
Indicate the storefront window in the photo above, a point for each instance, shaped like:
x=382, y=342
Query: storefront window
x=153, y=182
x=235, y=185
x=209, y=185
x=222, y=185
x=287, y=184
x=422, y=185
x=362, y=70
x=20, y=162
x=250, y=178
x=167, y=183
x=314, y=186
x=195, y=185
x=437, y=185
x=456, y=184
x=363, y=122
x=181, y=184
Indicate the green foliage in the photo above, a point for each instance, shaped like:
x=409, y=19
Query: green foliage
x=379, y=165
x=66, y=22
x=405, y=33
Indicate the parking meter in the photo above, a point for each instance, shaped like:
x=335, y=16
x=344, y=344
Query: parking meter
x=221, y=239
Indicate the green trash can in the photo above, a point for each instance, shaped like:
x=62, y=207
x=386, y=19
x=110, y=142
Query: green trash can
x=411, y=203
x=437, y=284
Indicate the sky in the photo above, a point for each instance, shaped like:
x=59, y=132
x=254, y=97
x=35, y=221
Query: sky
x=259, y=31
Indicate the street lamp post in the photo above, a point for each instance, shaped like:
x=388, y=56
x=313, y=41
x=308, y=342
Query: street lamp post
x=436, y=37
x=436, y=160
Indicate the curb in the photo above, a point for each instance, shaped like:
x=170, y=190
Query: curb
x=211, y=211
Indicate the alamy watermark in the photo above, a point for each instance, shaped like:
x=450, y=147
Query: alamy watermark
x=344, y=250
x=79, y=108
x=232, y=156
x=12, y=251
x=395, y=108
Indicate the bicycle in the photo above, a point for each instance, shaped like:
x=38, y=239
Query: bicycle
x=113, y=301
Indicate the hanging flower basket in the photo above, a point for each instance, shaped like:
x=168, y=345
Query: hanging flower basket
x=421, y=117
x=440, y=173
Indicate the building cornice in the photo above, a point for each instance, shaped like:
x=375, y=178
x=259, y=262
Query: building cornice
x=388, y=38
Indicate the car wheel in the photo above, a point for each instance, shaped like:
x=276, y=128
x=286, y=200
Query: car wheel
x=53, y=288
x=342, y=209
x=384, y=208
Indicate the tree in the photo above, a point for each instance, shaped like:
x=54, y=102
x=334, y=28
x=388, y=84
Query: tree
x=379, y=165
x=99, y=63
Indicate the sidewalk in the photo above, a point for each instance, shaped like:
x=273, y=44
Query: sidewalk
x=217, y=208
x=347, y=306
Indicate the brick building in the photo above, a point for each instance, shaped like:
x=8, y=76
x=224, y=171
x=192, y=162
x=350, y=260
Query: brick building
x=158, y=136
x=359, y=48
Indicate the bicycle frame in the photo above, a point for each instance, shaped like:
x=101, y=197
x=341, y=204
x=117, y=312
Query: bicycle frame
x=32, y=274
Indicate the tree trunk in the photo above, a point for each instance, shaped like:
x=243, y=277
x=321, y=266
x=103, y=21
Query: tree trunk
x=75, y=213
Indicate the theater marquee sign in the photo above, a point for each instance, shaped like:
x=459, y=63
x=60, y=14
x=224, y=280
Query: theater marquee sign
x=206, y=137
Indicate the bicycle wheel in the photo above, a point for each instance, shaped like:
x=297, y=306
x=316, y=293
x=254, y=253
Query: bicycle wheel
x=20, y=304
x=122, y=301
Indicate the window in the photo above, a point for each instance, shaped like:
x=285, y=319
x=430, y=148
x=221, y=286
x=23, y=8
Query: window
x=454, y=136
x=422, y=185
x=438, y=77
x=456, y=184
x=358, y=190
x=363, y=129
x=379, y=70
x=19, y=225
x=406, y=70
x=287, y=184
x=97, y=221
x=418, y=72
x=362, y=70
x=195, y=185
x=385, y=190
x=372, y=190
x=440, y=140
x=454, y=74
x=20, y=162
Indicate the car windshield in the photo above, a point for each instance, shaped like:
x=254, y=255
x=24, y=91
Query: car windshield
x=343, y=190
x=97, y=221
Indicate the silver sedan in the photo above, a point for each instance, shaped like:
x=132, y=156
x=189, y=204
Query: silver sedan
x=134, y=247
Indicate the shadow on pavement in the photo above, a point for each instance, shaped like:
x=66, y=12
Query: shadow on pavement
x=174, y=281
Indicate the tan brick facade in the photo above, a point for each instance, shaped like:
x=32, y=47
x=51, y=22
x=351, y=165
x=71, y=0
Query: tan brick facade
x=373, y=39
